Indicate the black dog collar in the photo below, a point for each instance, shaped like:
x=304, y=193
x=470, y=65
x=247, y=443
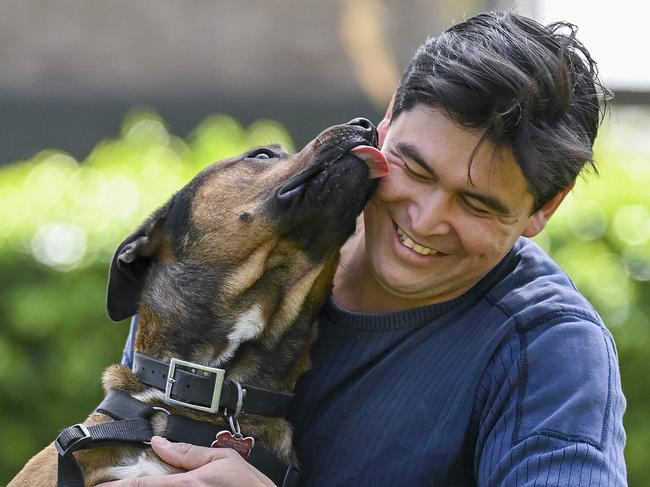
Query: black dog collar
x=203, y=388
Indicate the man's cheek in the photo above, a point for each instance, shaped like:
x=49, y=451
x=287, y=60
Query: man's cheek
x=394, y=185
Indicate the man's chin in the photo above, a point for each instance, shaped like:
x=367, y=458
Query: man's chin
x=403, y=286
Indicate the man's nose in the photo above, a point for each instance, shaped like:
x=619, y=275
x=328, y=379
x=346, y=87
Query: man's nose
x=431, y=213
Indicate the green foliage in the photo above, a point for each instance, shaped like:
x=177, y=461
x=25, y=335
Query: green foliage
x=62, y=220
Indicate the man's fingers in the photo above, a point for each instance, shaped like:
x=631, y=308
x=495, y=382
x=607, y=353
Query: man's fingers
x=206, y=466
x=186, y=456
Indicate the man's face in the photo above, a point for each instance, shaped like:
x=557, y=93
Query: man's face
x=430, y=232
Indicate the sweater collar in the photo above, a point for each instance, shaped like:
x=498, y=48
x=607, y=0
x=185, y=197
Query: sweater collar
x=415, y=317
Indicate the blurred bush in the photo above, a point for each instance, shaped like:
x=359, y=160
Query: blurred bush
x=62, y=220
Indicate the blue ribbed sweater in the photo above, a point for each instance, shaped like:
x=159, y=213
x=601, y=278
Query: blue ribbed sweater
x=515, y=383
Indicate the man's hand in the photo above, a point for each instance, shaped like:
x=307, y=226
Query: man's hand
x=207, y=467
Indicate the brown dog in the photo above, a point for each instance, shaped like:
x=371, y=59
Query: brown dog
x=227, y=279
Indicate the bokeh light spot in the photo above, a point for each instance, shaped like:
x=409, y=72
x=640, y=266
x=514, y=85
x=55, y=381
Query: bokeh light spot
x=632, y=224
x=59, y=245
x=587, y=220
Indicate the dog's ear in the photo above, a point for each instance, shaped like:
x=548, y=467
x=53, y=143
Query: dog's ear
x=131, y=264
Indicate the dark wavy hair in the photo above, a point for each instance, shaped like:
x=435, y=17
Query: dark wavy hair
x=531, y=87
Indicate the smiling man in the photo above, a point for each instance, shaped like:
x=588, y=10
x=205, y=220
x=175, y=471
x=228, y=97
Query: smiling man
x=438, y=223
x=454, y=351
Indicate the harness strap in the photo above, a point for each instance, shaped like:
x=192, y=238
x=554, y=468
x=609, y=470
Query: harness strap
x=280, y=473
x=77, y=437
x=186, y=430
x=120, y=405
x=131, y=426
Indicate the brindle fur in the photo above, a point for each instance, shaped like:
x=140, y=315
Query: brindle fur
x=228, y=275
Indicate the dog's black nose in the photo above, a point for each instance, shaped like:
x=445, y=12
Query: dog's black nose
x=362, y=122
x=367, y=128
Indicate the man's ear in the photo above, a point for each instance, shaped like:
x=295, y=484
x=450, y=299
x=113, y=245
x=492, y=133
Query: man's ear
x=382, y=127
x=130, y=266
x=537, y=221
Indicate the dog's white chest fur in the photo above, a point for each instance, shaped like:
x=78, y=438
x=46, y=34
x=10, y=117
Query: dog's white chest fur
x=142, y=465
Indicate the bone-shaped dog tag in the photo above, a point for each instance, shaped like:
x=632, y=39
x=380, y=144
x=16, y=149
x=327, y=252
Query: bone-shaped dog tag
x=243, y=446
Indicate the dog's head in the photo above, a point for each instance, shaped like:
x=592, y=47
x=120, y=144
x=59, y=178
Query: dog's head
x=246, y=249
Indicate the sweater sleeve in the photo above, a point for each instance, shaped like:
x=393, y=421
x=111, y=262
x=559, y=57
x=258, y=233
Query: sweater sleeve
x=549, y=409
x=127, y=353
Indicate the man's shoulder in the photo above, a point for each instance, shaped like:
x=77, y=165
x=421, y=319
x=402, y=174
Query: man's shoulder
x=558, y=352
x=563, y=372
x=531, y=288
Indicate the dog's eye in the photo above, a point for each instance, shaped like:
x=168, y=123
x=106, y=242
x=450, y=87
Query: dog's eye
x=262, y=154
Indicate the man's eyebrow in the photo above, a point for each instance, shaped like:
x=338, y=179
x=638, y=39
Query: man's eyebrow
x=489, y=201
x=411, y=152
x=493, y=202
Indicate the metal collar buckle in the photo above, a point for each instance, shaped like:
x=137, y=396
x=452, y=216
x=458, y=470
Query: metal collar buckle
x=194, y=368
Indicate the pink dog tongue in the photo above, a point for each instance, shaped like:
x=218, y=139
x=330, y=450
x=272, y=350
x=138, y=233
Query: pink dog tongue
x=373, y=158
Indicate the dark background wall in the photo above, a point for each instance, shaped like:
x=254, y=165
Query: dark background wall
x=72, y=68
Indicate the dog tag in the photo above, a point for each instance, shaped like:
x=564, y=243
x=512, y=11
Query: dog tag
x=243, y=446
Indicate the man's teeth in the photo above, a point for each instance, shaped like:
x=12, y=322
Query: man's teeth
x=412, y=245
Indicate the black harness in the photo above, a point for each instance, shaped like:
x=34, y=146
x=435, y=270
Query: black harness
x=185, y=384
